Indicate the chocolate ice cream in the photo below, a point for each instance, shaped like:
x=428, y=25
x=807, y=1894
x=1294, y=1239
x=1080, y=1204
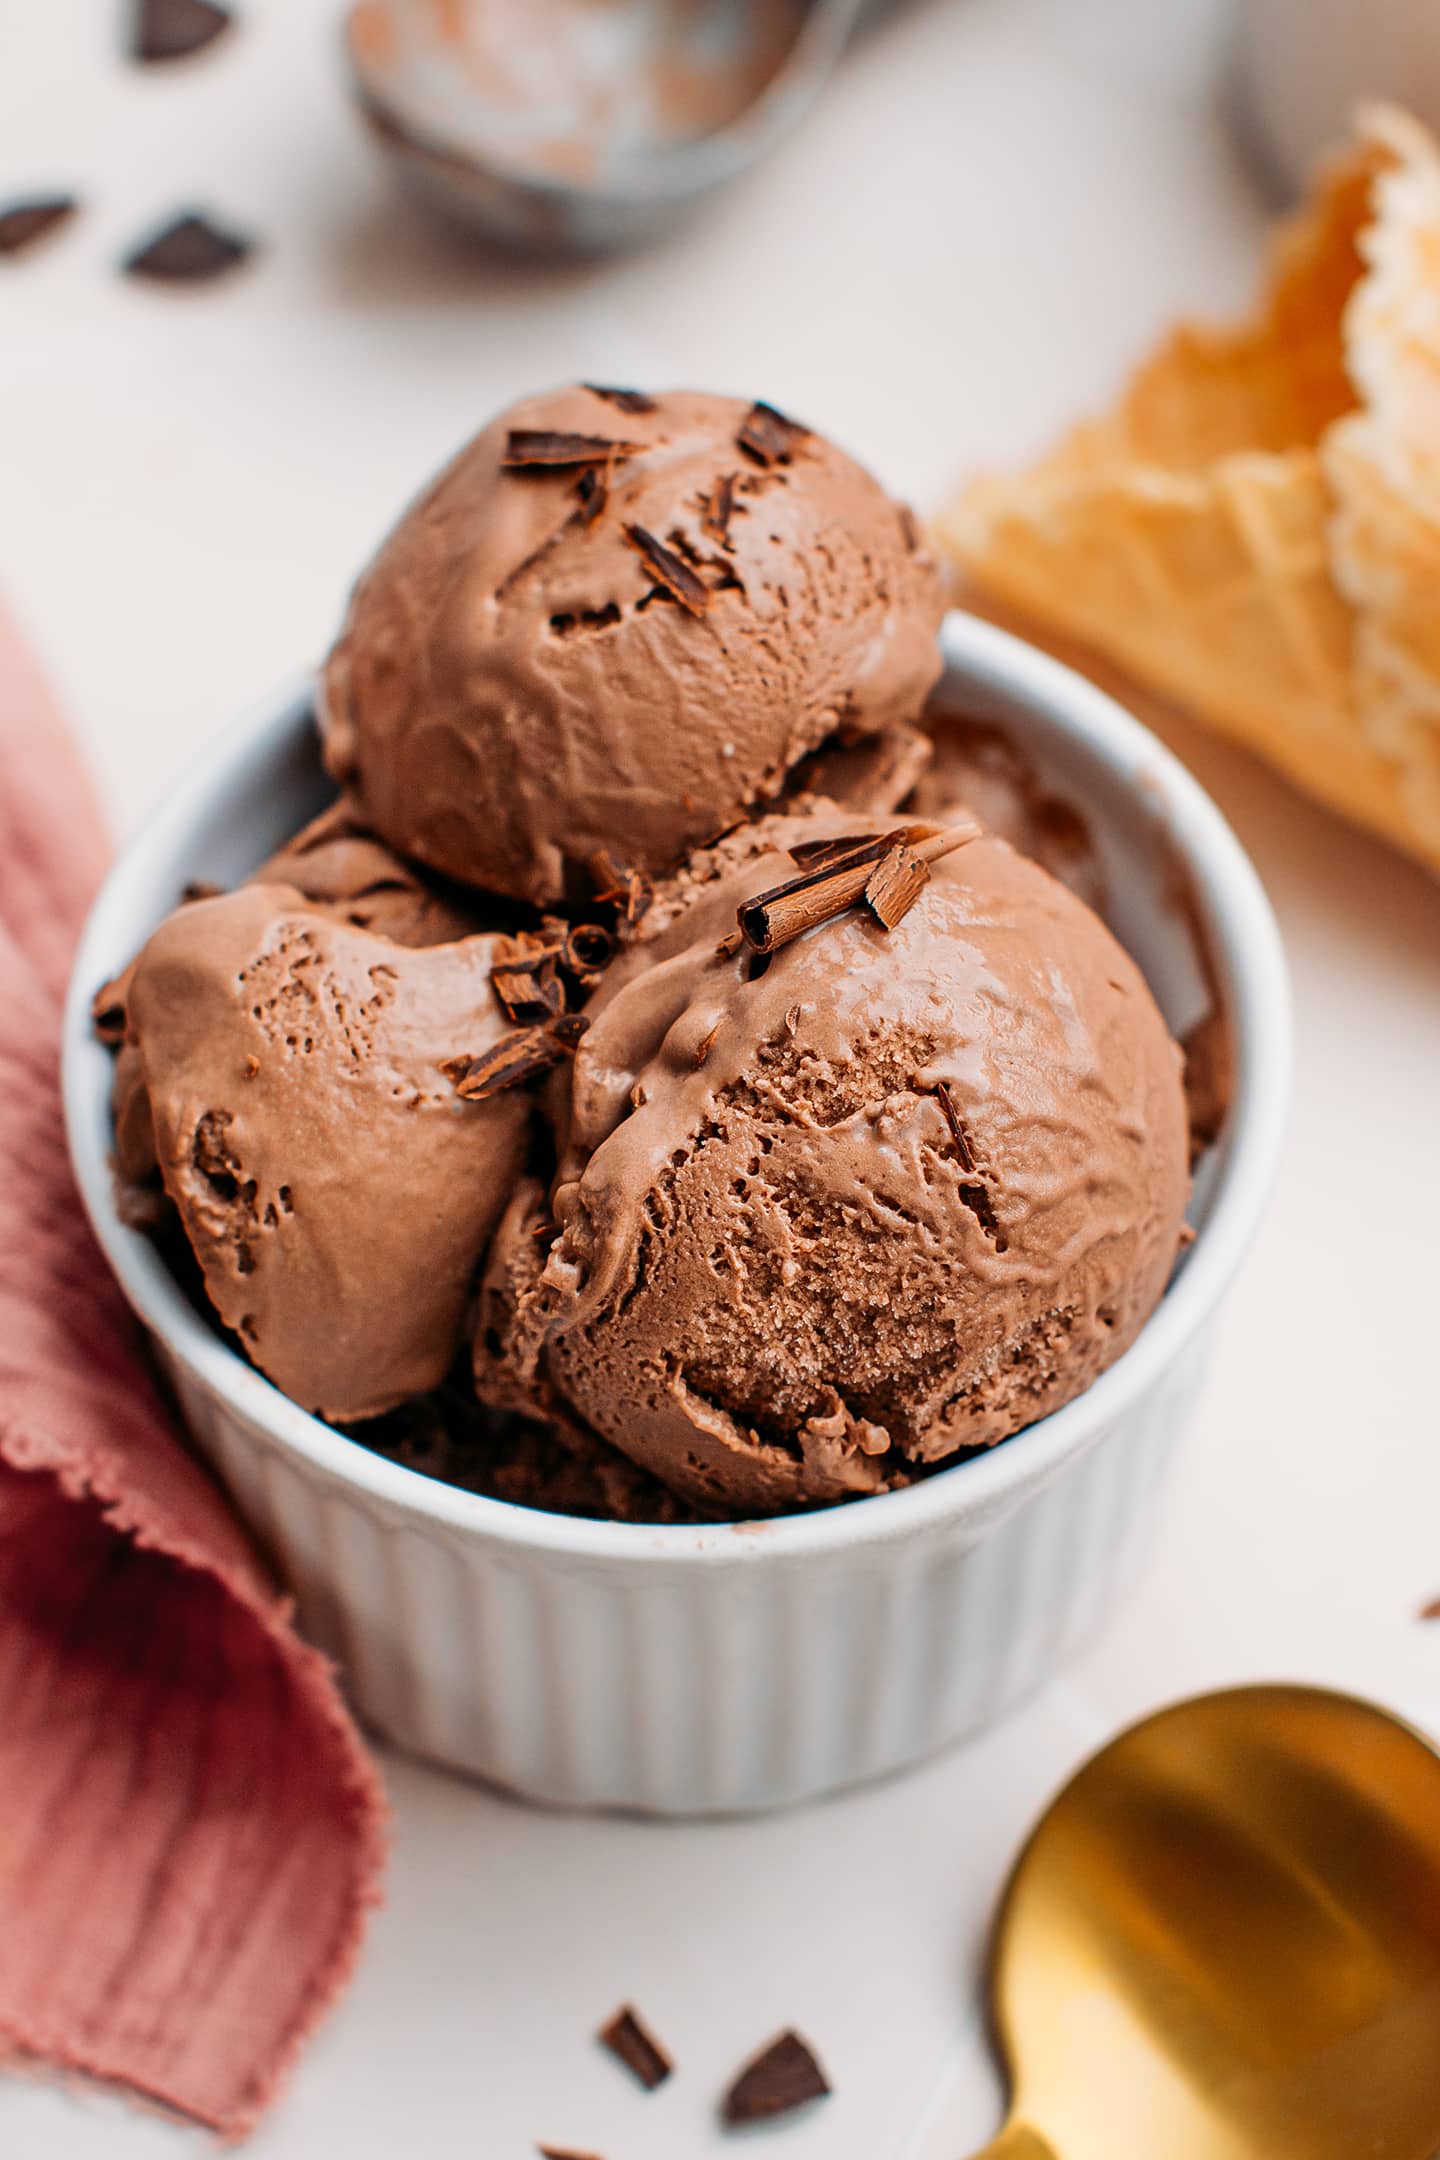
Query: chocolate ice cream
x=339, y=865
x=793, y=1217
x=616, y=622
x=337, y=1191
x=827, y=1217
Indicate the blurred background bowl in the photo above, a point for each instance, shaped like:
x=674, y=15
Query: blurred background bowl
x=604, y=142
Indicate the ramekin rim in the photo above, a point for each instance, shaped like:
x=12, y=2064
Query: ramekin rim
x=1246, y=949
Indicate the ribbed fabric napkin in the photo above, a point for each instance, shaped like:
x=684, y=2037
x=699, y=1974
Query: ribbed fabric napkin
x=190, y=1829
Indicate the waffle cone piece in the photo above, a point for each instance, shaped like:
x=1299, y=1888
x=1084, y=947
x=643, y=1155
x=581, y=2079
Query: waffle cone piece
x=1255, y=531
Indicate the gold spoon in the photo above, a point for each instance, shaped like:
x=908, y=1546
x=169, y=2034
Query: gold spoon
x=1223, y=1942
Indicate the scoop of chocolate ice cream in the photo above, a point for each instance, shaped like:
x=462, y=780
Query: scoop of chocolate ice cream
x=830, y=1217
x=336, y=1190
x=616, y=623
x=339, y=865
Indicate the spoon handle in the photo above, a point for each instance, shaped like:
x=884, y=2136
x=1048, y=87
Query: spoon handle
x=1017, y=2141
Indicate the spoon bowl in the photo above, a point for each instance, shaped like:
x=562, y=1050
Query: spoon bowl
x=1223, y=1942
x=567, y=127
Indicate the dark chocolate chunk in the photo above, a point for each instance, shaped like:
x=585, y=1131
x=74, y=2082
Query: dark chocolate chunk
x=170, y=29
x=593, y=491
x=958, y=1133
x=768, y=437
x=782, y=2077
x=587, y=949
x=631, y=401
x=529, y=990
x=25, y=224
x=630, y=2043
x=559, y=447
x=514, y=1061
x=189, y=251
x=617, y=884
x=719, y=509
x=670, y=570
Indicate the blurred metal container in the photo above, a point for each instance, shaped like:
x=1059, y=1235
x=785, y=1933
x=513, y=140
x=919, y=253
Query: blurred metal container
x=417, y=71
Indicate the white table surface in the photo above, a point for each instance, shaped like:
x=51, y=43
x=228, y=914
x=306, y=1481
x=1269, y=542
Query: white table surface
x=997, y=204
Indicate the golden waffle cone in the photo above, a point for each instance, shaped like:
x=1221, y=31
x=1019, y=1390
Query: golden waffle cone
x=1246, y=536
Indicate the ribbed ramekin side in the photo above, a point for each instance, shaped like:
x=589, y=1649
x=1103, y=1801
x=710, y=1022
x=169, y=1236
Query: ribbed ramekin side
x=673, y=1688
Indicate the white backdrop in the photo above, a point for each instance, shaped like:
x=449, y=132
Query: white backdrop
x=996, y=205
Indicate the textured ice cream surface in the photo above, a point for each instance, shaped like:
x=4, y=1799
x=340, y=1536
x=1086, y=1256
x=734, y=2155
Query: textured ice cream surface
x=523, y=681
x=551, y=1463
x=340, y=865
x=826, y=1220
x=335, y=1190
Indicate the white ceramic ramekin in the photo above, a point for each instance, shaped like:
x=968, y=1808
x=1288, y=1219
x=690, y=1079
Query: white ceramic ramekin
x=736, y=1666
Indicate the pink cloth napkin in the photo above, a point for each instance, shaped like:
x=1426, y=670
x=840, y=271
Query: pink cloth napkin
x=190, y=1829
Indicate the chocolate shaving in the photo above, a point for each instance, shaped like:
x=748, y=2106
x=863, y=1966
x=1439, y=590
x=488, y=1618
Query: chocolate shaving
x=792, y=1019
x=639, y=2050
x=173, y=29
x=199, y=888
x=783, y=2077
x=563, y=2152
x=631, y=401
x=189, y=251
x=785, y=912
x=23, y=224
x=528, y=991
x=619, y=885
x=593, y=491
x=1432, y=1610
x=515, y=1059
x=958, y=1133
x=527, y=446
x=769, y=437
x=719, y=509
x=107, y=1012
x=840, y=881
x=703, y=1049
x=895, y=884
x=814, y=854
x=909, y=527
x=975, y=1194
x=670, y=570
x=586, y=951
